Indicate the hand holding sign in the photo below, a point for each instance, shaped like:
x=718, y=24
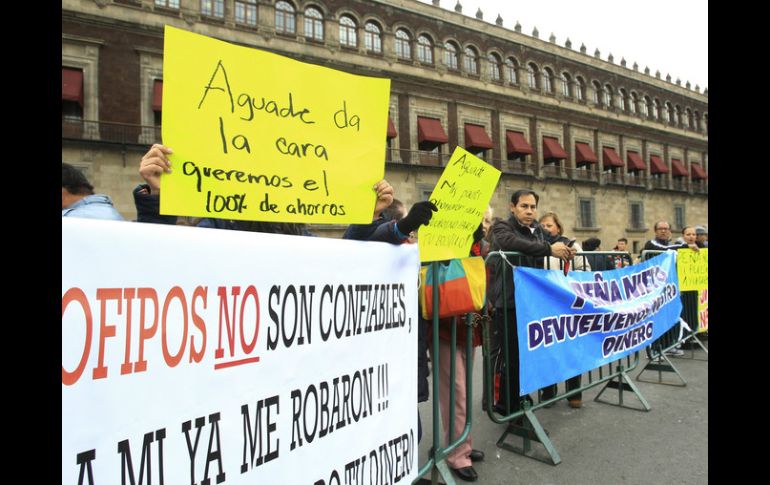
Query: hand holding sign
x=419, y=214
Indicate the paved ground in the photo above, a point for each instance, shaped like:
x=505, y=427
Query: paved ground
x=603, y=444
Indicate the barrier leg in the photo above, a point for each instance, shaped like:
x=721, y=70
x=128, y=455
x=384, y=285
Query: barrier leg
x=530, y=430
x=694, y=337
x=623, y=383
x=660, y=366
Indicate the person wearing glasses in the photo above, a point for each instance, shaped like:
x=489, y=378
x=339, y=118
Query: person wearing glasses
x=662, y=240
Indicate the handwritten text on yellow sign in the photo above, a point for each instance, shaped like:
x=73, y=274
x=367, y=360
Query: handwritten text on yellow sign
x=693, y=269
x=462, y=195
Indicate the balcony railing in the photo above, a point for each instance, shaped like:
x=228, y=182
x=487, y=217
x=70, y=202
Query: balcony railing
x=129, y=134
x=679, y=183
x=109, y=132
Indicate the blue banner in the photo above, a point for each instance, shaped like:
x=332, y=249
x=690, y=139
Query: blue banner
x=572, y=324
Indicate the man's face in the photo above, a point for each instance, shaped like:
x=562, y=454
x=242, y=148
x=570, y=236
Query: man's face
x=663, y=232
x=525, y=210
x=621, y=245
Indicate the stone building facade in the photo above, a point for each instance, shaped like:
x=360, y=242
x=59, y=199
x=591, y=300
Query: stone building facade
x=608, y=147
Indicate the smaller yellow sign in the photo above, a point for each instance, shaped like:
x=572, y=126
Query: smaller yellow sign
x=462, y=195
x=693, y=269
x=703, y=311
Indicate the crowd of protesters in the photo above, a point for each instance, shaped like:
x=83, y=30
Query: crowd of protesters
x=541, y=243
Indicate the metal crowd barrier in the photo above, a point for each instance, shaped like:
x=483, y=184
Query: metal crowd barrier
x=436, y=463
x=684, y=331
x=523, y=422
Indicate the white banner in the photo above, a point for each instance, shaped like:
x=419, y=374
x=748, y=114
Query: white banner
x=203, y=356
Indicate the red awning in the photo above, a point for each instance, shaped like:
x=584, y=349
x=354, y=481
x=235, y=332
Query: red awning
x=430, y=129
x=657, y=165
x=610, y=158
x=584, y=154
x=476, y=137
x=698, y=172
x=516, y=143
x=157, y=95
x=392, y=133
x=635, y=162
x=72, y=85
x=678, y=168
x=552, y=148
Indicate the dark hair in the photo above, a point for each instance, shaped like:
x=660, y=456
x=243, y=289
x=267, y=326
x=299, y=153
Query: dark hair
x=655, y=227
x=591, y=244
x=393, y=211
x=521, y=193
x=74, y=181
x=623, y=239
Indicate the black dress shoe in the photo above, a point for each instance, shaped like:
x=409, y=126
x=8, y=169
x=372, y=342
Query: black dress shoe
x=466, y=473
x=476, y=455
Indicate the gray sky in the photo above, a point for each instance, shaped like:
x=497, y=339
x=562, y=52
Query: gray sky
x=666, y=35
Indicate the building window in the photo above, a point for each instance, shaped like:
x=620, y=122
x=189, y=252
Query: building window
x=285, y=18
x=168, y=3
x=587, y=216
x=679, y=217
x=656, y=110
x=450, y=55
x=531, y=76
x=314, y=24
x=494, y=67
x=632, y=102
x=246, y=12
x=678, y=111
x=597, y=93
x=511, y=68
x=636, y=217
x=548, y=80
x=403, y=46
x=697, y=121
x=424, y=49
x=72, y=94
x=471, y=61
x=580, y=89
x=348, y=36
x=643, y=107
x=690, y=120
x=373, y=37
x=565, y=80
x=213, y=8
x=623, y=100
x=608, y=96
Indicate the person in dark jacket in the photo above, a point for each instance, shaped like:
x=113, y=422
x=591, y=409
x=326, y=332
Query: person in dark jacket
x=523, y=234
x=598, y=262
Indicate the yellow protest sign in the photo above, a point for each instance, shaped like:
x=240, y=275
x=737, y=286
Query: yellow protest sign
x=693, y=269
x=462, y=195
x=703, y=311
x=259, y=136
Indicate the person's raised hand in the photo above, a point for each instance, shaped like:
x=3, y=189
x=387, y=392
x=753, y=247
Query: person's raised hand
x=153, y=164
x=384, y=197
x=418, y=215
